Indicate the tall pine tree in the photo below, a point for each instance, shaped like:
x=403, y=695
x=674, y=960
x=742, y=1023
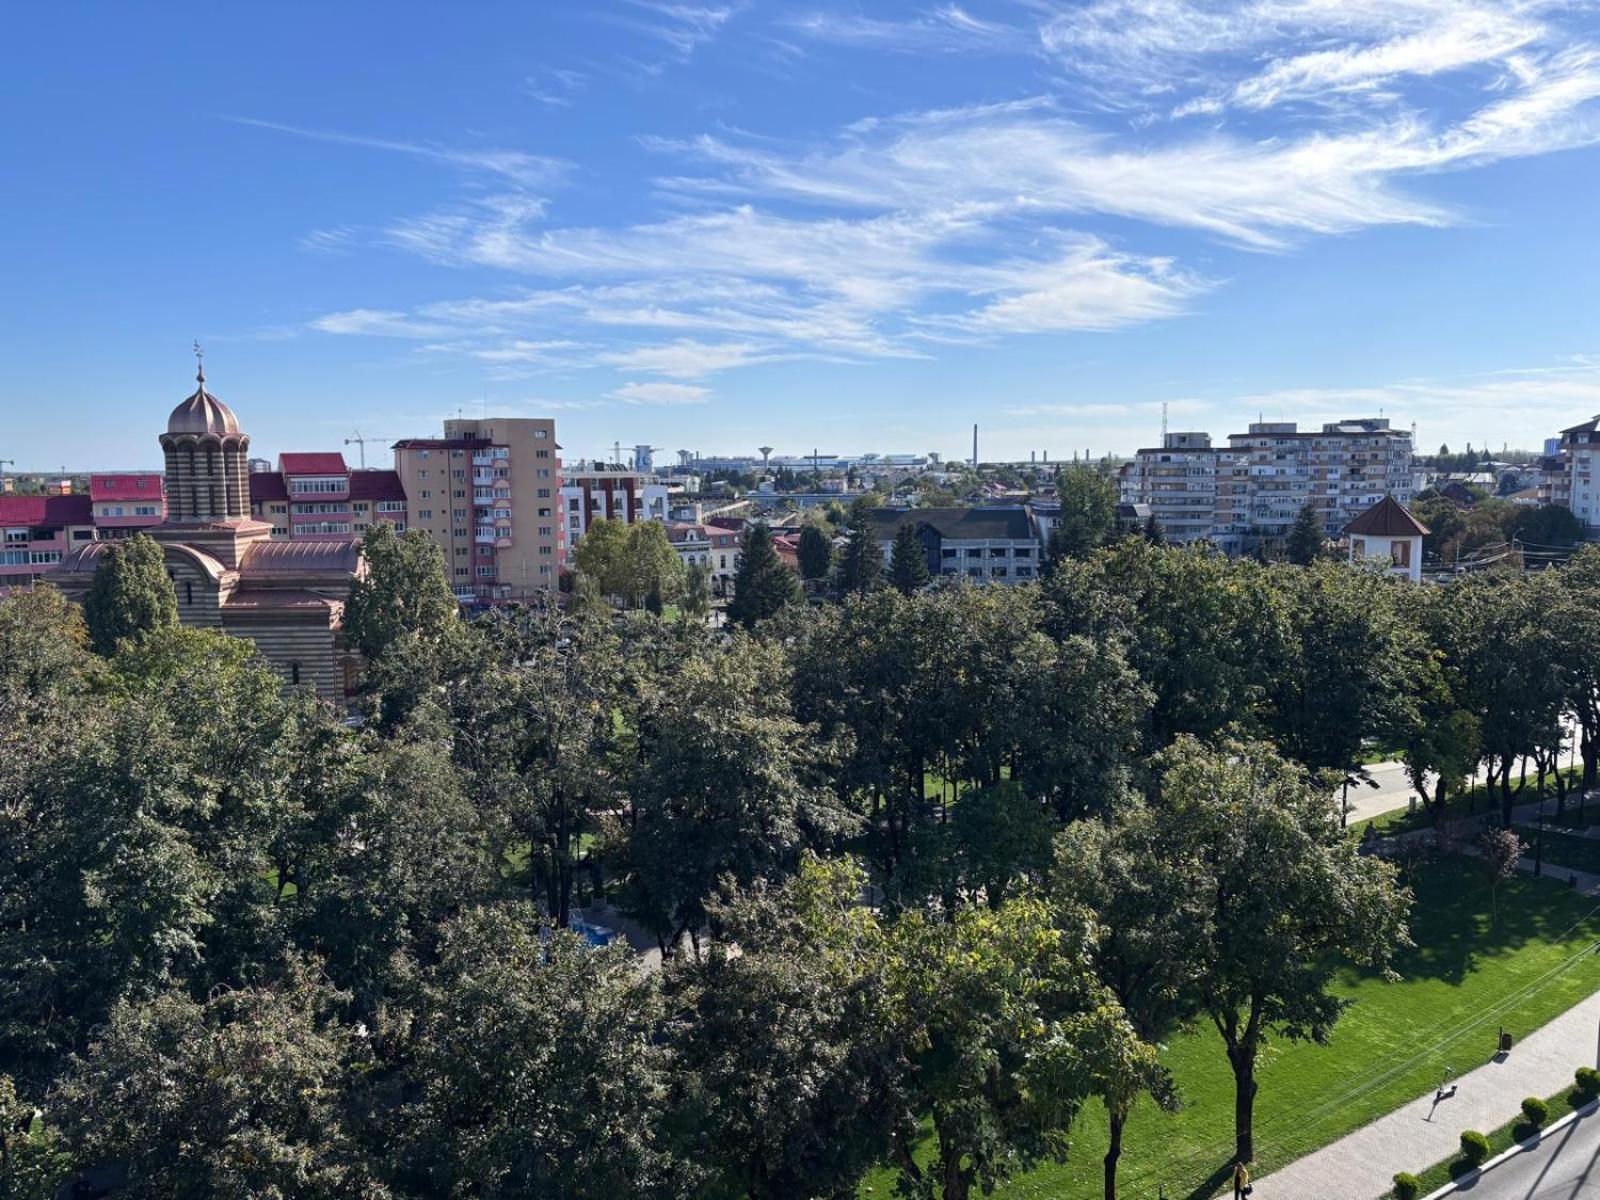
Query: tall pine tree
x=1306, y=542
x=861, y=564
x=763, y=584
x=908, y=560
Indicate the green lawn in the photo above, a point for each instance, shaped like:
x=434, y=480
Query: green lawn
x=1466, y=978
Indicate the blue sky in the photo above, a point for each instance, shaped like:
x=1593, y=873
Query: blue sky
x=848, y=226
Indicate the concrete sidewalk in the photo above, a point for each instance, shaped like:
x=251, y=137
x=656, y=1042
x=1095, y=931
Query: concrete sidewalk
x=1361, y=1165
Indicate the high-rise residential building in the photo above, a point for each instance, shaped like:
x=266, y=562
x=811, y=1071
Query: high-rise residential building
x=1250, y=493
x=1182, y=481
x=125, y=503
x=1567, y=474
x=317, y=495
x=589, y=493
x=488, y=493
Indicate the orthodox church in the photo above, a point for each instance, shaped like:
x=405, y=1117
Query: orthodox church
x=230, y=573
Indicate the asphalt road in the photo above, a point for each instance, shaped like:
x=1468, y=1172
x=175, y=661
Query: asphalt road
x=1566, y=1167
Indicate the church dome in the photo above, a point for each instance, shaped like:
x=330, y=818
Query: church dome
x=203, y=413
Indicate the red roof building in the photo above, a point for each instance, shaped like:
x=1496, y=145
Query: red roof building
x=127, y=502
x=36, y=531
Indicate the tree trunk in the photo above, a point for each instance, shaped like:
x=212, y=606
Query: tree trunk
x=1118, y=1118
x=1244, y=1102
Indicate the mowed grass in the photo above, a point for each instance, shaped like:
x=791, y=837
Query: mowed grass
x=1466, y=978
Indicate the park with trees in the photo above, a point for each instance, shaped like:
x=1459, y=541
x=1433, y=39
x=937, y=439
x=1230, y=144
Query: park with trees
x=950, y=889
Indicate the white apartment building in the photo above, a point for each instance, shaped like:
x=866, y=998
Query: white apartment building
x=1567, y=474
x=1251, y=492
x=588, y=493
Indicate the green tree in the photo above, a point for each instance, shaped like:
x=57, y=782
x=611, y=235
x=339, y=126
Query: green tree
x=1550, y=526
x=815, y=551
x=651, y=567
x=788, y=1055
x=130, y=594
x=237, y=1096
x=1306, y=542
x=1284, y=899
x=908, y=565
x=403, y=593
x=861, y=562
x=726, y=786
x=538, y=1068
x=763, y=586
x=1154, y=532
x=602, y=554
x=696, y=601
x=1006, y=1033
x=1146, y=920
x=1088, y=516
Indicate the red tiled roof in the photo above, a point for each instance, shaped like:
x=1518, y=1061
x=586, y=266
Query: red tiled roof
x=376, y=485
x=126, y=487
x=315, y=462
x=267, y=485
x=46, y=510
x=1387, y=518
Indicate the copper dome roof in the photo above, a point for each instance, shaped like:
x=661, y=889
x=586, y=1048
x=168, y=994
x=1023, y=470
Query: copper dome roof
x=203, y=413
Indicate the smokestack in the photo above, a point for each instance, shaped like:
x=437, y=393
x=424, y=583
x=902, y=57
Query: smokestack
x=974, y=447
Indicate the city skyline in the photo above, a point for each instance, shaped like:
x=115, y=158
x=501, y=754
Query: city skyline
x=721, y=225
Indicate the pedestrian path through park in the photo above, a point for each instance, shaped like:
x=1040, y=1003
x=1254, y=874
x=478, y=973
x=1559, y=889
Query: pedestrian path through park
x=1361, y=1166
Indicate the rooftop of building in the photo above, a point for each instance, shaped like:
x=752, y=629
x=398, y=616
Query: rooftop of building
x=999, y=523
x=1387, y=518
x=461, y=443
x=376, y=484
x=46, y=510
x=267, y=485
x=312, y=462
x=131, y=485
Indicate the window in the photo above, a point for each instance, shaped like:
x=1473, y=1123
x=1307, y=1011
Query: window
x=425, y=514
x=458, y=474
x=541, y=433
x=541, y=454
x=39, y=557
x=426, y=494
x=544, y=512
x=544, y=493
x=422, y=454
x=82, y=535
x=312, y=486
x=459, y=494
x=461, y=572
x=723, y=563
x=546, y=531
x=459, y=514
x=188, y=591
x=485, y=572
x=391, y=506
x=422, y=474
x=1400, y=551
x=459, y=532
x=294, y=672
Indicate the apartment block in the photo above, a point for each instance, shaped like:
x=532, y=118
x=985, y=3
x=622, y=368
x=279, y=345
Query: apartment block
x=123, y=504
x=37, y=531
x=316, y=496
x=488, y=493
x=1567, y=474
x=1249, y=493
x=596, y=491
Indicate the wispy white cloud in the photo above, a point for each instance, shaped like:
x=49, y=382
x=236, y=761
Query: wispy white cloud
x=946, y=28
x=657, y=392
x=376, y=322
x=682, y=27
x=528, y=170
x=555, y=86
x=687, y=358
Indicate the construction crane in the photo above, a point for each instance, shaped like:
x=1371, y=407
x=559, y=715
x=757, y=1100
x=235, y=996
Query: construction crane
x=361, y=441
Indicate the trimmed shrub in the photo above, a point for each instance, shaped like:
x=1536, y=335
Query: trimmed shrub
x=1535, y=1110
x=1407, y=1186
x=1474, y=1146
x=1588, y=1080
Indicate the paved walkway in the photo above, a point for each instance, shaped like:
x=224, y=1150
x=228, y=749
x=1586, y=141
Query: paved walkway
x=1361, y=1166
